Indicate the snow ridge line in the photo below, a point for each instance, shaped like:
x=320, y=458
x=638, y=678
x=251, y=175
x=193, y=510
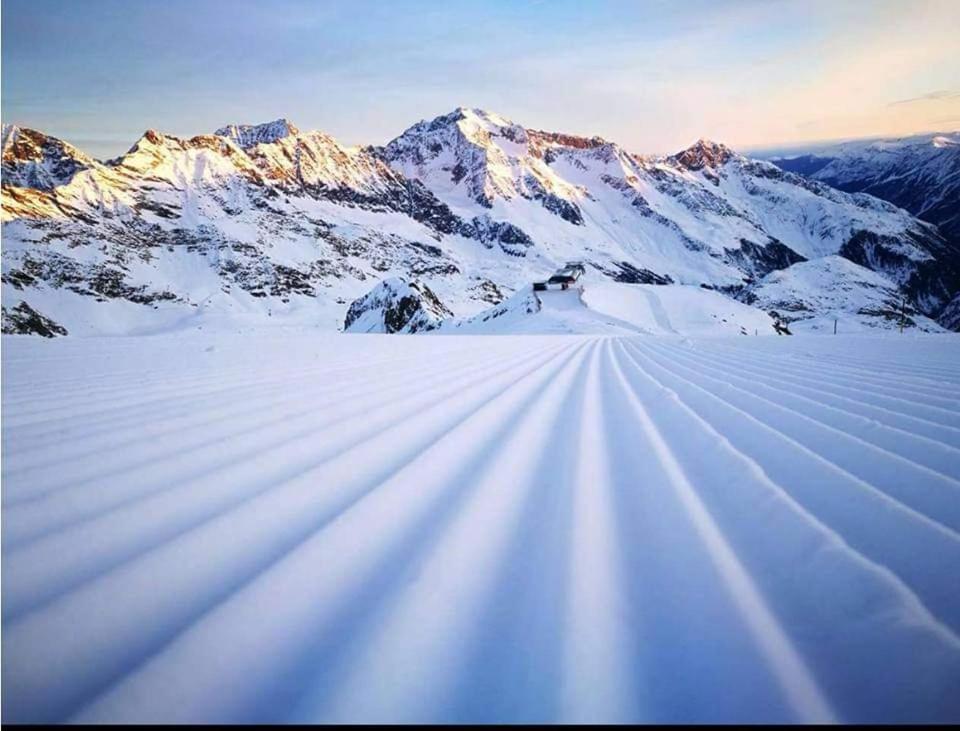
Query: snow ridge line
x=794, y=416
x=506, y=542
x=152, y=516
x=856, y=534
x=402, y=506
x=705, y=367
x=795, y=385
x=244, y=408
x=194, y=387
x=596, y=674
x=426, y=675
x=929, y=373
x=57, y=671
x=799, y=685
x=814, y=455
x=854, y=382
x=31, y=520
x=185, y=408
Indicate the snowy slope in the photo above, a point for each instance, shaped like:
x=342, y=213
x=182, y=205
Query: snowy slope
x=617, y=309
x=270, y=225
x=678, y=310
x=705, y=215
x=920, y=173
x=312, y=527
x=813, y=294
x=540, y=313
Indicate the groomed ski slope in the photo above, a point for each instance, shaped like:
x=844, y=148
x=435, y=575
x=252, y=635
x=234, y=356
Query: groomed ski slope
x=302, y=527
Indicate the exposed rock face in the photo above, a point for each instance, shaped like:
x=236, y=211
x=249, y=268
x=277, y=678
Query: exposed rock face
x=250, y=135
x=703, y=154
x=950, y=317
x=396, y=306
x=24, y=320
x=32, y=159
x=508, y=237
x=760, y=260
x=625, y=272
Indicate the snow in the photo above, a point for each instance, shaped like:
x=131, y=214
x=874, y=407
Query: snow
x=289, y=525
x=812, y=295
x=920, y=173
x=266, y=224
x=250, y=135
x=604, y=307
x=679, y=309
x=878, y=148
x=541, y=313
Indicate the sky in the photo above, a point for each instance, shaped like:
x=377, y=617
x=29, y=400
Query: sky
x=653, y=75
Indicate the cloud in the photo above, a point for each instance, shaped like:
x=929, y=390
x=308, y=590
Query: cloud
x=930, y=96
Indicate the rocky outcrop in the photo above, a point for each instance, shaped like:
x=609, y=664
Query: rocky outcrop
x=759, y=260
x=703, y=154
x=22, y=319
x=930, y=282
x=35, y=160
x=250, y=135
x=950, y=316
x=396, y=306
x=490, y=233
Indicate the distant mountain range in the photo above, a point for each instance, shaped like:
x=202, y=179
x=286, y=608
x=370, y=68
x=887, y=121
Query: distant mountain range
x=920, y=173
x=259, y=224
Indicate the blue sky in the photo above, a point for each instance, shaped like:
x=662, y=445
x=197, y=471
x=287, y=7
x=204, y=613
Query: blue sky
x=653, y=75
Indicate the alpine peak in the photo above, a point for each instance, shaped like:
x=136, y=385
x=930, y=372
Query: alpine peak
x=36, y=160
x=704, y=153
x=250, y=135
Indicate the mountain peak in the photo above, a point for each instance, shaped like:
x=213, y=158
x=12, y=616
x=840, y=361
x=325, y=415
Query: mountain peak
x=33, y=159
x=946, y=141
x=9, y=134
x=466, y=119
x=482, y=114
x=704, y=153
x=250, y=135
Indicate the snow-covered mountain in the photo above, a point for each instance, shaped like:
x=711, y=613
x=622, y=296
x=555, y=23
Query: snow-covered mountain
x=265, y=223
x=32, y=159
x=920, y=173
x=396, y=306
x=812, y=294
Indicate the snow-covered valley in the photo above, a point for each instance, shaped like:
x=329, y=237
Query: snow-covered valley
x=286, y=525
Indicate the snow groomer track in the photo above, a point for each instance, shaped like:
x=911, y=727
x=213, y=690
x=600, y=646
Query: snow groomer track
x=334, y=528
